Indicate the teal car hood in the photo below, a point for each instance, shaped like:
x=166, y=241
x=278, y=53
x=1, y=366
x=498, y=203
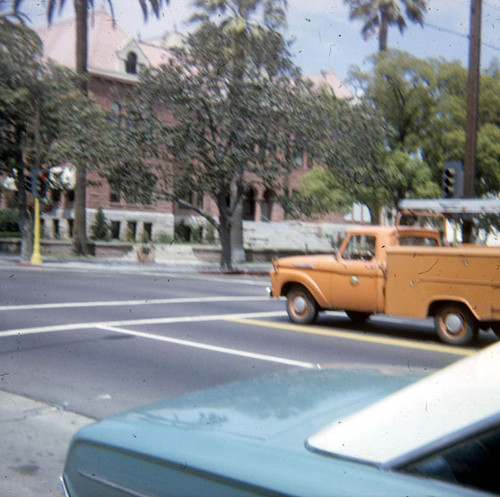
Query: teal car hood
x=263, y=409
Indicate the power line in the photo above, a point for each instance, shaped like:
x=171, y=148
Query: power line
x=456, y=33
x=446, y=30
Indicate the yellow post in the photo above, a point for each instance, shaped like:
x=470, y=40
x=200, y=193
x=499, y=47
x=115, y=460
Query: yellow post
x=36, y=258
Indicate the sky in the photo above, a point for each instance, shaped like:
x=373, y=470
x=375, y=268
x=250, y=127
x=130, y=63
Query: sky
x=323, y=36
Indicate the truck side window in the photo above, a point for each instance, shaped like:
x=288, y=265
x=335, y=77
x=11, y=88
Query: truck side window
x=360, y=247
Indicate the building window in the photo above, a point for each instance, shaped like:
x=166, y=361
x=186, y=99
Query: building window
x=55, y=229
x=114, y=195
x=56, y=196
x=249, y=205
x=267, y=206
x=298, y=159
x=147, y=231
x=70, y=228
x=116, y=111
x=131, y=231
x=131, y=63
x=115, y=230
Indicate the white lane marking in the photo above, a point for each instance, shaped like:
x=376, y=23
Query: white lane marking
x=128, y=303
x=136, y=322
x=212, y=348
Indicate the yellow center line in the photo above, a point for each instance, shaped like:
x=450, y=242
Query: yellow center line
x=356, y=336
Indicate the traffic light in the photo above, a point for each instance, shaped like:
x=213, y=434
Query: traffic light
x=453, y=180
x=38, y=183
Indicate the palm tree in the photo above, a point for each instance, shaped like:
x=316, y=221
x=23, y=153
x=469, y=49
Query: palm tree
x=81, y=15
x=238, y=19
x=380, y=14
x=10, y=10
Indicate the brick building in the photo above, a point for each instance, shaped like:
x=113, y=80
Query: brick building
x=115, y=59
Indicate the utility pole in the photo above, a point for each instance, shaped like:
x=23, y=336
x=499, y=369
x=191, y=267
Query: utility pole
x=472, y=109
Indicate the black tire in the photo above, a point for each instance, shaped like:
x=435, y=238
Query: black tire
x=358, y=316
x=455, y=324
x=301, y=306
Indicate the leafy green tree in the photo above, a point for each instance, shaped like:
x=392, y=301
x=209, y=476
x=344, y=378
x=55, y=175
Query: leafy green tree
x=218, y=137
x=350, y=147
x=10, y=10
x=407, y=176
x=381, y=14
x=82, y=8
x=129, y=163
x=444, y=137
x=400, y=87
x=321, y=191
x=27, y=117
x=44, y=119
x=242, y=23
x=422, y=104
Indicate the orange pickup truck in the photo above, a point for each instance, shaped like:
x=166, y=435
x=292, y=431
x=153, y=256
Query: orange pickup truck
x=400, y=271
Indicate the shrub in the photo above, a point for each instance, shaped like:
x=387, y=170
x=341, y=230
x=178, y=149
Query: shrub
x=100, y=228
x=8, y=221
x=182, y=233
x=197, y=235
x=165, y=238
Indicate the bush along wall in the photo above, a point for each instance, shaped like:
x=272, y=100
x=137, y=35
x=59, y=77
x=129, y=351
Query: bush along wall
x=8, y=223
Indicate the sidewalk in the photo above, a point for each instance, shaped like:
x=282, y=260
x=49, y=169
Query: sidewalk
x=34, y=439
x=126, y=265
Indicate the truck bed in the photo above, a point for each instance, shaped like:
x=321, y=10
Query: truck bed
x=419, y=277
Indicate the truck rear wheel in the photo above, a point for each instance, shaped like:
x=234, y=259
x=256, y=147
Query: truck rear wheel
x=301, y=306
x=455, y=324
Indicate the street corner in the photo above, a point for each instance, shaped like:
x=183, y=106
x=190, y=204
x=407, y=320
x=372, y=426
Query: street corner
x=34, y=438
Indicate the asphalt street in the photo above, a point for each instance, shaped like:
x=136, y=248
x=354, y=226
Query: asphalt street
x=80, y=340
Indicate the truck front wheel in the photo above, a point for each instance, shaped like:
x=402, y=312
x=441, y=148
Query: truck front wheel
x=301, y=306
x=455, y=324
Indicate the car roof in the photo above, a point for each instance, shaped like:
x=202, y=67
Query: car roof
x=460, y=399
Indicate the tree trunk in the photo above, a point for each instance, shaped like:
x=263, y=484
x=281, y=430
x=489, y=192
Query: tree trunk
x=237, y=249
x=25, y=219
x=225, y=241
x=384, y=29
x=80, y=204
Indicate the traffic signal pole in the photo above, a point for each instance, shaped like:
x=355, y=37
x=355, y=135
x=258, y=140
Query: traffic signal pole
x=36, y=257
x=38, y=190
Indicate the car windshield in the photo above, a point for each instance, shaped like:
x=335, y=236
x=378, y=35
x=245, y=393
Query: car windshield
x=473, y=462
x=468, y=388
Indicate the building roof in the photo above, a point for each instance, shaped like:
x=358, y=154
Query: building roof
x=109, y=47
x=330, y=80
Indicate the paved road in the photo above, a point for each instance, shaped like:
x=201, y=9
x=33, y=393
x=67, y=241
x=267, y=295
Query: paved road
x=77, y=345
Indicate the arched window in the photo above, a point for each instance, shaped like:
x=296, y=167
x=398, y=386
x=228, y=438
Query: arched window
x=267, y=206
x=131, y=63
x=249, y=205
x=116, y=111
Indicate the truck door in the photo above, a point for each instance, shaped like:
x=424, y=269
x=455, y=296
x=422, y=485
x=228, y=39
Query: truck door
x=357, y=285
